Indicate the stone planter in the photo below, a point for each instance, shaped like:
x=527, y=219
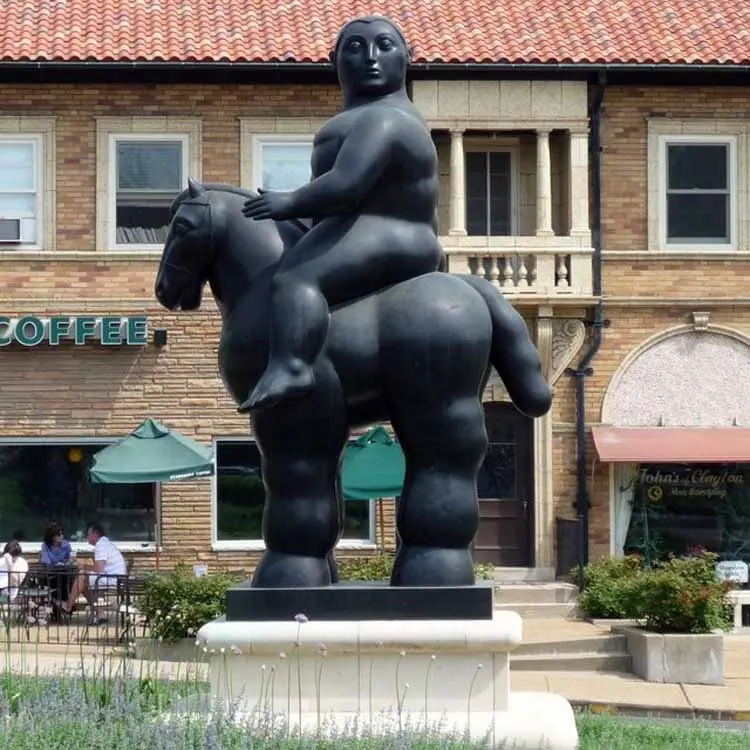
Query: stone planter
x=183, y=650
x=675, y=657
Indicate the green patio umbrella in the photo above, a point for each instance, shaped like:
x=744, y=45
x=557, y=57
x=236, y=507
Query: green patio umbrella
x=151, y=453
x=373, y=468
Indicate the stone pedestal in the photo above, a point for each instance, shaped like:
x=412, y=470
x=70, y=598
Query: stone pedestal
x=452, y=676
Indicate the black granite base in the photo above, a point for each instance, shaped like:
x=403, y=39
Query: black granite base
x=362, y=601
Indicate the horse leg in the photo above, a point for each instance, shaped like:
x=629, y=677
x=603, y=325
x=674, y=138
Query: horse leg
x=301, y=442
x=438, y=513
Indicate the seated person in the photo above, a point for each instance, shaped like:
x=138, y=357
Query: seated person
x=373, y=199
x=13, y=570
x=108, y=564
x=55, y=549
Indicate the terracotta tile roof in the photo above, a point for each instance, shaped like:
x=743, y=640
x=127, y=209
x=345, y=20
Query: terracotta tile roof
x=516, y=31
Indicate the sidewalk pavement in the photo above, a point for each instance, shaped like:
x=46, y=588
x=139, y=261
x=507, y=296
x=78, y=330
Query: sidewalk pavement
x=608, y=692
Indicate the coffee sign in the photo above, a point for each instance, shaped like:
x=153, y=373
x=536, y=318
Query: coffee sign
x=108, y=330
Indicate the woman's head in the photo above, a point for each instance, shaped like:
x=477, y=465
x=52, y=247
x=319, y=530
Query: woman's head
x=53, y=534
x=371, y=56
x=13, y=548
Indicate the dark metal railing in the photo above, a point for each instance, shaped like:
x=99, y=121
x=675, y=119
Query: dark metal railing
x=32, y=612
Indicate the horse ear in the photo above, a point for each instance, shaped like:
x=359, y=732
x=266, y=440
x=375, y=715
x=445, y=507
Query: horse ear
x=195, y=188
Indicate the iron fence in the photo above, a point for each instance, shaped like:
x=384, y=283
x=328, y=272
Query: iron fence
x=34, y=612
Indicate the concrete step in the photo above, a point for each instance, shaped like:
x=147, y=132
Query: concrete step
x=543, y=610
x=533, y=593
x=614, y=662
x=598, y=644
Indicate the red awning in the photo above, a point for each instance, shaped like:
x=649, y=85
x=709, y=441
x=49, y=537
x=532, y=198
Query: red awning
x=672, y=444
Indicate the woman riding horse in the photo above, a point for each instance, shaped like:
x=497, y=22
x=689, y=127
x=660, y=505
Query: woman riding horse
x=374, y=198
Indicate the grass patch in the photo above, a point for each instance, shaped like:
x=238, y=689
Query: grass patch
x=613, y=733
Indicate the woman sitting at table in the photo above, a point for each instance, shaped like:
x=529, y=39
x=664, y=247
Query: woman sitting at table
x=55, y=549
x=13, y=570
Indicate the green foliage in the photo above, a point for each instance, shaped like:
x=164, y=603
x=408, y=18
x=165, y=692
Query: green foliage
x=177, y=604
x=608, y=586
x=678, y=595
x=682, y=595
x=379, y=567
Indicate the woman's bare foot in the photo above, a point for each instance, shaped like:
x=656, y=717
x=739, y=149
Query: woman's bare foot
x=279, y=382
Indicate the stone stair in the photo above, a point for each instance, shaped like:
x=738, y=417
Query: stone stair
x=603, y=653
x=538, y=600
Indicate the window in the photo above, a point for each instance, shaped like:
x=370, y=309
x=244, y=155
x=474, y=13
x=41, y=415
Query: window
x=42, y=482
x=142, y=165
x=150, y=171
x=679, y=507
x=239, y=497
x=20, y=191
x=282, y=164
x=490, y=193
x=699, y=185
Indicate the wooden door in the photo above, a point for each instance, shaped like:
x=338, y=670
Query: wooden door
x=506, y=490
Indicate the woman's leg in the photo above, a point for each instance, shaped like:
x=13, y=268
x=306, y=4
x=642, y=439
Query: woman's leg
x=331, y=265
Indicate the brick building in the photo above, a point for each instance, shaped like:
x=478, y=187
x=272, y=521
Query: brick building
x=98, y=131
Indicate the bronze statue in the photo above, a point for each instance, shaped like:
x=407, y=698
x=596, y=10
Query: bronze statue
x=373, y=196
x=401, y=344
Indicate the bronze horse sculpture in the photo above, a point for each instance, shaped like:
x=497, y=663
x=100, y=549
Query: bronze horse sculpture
x=417, y=353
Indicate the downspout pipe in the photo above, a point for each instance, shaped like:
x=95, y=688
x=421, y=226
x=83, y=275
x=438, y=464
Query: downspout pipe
x=584, y=369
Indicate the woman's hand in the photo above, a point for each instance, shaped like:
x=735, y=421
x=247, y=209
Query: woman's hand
x=269, y=204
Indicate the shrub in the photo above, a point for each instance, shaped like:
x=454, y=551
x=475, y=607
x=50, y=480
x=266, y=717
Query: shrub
x=177, y=604
x=682, y=595
x=608, y=586
x=678, y=595
x=379, y=567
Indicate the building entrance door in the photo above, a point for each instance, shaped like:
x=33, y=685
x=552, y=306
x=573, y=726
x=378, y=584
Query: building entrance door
x=506, y=490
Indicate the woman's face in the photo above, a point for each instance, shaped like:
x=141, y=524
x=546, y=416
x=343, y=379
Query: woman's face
x=57, y=539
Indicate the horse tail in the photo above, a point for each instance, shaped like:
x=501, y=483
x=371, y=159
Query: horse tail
x=513, y=353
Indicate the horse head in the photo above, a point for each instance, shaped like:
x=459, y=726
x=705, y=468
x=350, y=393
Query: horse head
x=189, y=251
x=209, y=240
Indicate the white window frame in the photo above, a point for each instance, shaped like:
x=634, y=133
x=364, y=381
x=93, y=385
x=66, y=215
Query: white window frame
x=261, y=141
x=256, y=131
x=188, y=130
x=41, y=132
x=730, y=142
x=114, y=139
x=250, y=545
x=509, y=147
x=84, y=548
x=35, y=141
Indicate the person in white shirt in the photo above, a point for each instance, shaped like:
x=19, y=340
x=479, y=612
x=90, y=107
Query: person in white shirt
x=108, y=564
x=13, y=570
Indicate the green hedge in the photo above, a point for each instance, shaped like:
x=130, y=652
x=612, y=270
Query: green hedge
x=678, y=595
x=379, y=568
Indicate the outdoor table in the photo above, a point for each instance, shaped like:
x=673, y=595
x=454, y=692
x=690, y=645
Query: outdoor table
x=59, y=580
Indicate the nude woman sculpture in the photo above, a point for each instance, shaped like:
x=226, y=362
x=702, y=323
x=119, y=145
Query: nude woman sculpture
x=373, y=199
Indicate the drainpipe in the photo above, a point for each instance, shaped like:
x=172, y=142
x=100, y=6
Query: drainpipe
x=584, y=368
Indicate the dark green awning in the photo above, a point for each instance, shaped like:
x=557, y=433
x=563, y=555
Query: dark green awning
x=151, y=453
x=373, y=467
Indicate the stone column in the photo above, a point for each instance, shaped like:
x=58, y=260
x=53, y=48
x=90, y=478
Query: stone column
x=458, y=185
x=578, y=182
x=543, y=185
x=544, y=522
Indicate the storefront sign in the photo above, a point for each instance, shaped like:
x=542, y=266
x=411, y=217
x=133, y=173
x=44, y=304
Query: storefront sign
x=732, y=570
x=689, y=482
x=109, y=330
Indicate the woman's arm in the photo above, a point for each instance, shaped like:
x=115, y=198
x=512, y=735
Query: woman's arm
x=44, y=556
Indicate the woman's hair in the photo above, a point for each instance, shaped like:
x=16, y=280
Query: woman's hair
x=367, y=19
x=51, y=532
x=13, y=548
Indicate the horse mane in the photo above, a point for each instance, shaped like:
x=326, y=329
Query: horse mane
x=217, y=186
